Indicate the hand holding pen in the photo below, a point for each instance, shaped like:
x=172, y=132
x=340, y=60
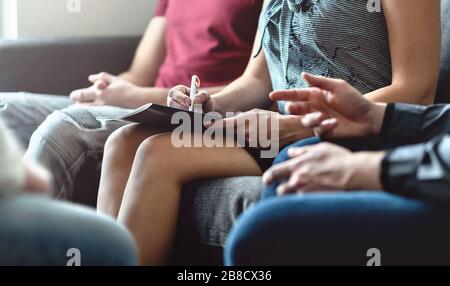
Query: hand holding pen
x=187, y=98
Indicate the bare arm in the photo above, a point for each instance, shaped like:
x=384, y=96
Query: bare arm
x=414, y=36
x=134, y=87
x=249, y=91
x=252, y=89
x=149, y=55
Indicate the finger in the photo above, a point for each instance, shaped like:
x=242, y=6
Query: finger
x=100, y=84
x=302, y=154
x=298, y=108
x=83, y=95
x=285, y=189
x=292, y=186
x=326, y=127
x=181, y=95
x=277, y=172
x=201, y=97
x=312, y=120
x=291, y=95
x=297, y=151
x=176, y=104
x=181, y=98
x=108, y=78
x=321, y=81
x=281, y=189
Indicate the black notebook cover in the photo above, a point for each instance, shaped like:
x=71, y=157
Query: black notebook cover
x=156, y=115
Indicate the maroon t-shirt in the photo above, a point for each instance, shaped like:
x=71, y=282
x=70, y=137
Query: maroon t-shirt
x=210, y=38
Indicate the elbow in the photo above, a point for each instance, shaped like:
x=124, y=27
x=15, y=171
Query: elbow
x=425, y=88
x=426, y=94
x=419, y=92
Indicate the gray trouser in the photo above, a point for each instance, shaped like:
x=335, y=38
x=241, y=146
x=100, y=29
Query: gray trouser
x=64, y=138
x=36, y=231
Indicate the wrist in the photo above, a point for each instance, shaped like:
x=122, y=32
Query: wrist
x=292, y=129
x=214, y=106
x=132, y=97
x=366, y=173
x=376, y=116
x=144, y=95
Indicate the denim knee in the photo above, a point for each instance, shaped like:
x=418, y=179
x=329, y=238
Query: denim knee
x=270, y=191
x=248, y=235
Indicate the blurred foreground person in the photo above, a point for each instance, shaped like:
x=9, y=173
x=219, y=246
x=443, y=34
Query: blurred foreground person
x=36, y=231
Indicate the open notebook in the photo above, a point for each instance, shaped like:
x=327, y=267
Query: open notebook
x=157, y=115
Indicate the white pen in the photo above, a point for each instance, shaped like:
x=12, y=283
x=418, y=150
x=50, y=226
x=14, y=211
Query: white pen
x=195, y=85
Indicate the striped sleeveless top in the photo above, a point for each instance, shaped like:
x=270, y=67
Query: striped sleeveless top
x=332, y=38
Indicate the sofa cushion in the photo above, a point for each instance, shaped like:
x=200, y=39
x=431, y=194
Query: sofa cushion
x=210, y=208
x=60, y=65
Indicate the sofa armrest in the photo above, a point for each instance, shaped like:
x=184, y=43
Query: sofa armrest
x=60, y=65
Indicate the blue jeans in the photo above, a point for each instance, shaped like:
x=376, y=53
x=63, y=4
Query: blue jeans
x=339, y=228
x=36, y=231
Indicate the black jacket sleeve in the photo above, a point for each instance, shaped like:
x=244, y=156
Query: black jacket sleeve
x=410, y=124
x=421, y=170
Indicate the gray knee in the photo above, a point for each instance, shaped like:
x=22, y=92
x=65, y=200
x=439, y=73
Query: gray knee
x=69, y=127
x=59, y=144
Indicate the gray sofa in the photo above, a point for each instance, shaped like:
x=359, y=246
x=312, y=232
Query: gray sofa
x=208, y=209
x=58, y=66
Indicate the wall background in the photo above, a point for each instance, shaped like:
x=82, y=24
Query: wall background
x=1, y=17
x=8, y=18
x=35, y=18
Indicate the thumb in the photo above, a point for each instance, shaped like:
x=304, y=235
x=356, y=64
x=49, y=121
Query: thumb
x=202, y=97
x=101, y=84
x=104, y=76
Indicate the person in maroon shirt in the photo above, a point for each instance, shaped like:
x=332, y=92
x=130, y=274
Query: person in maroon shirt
x=213, y=42
x=210, y=38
